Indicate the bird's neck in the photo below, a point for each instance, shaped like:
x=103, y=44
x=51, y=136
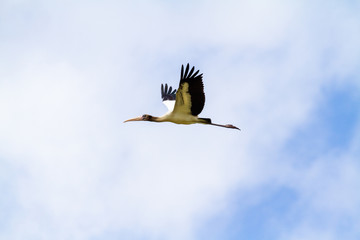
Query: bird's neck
x=155, y=119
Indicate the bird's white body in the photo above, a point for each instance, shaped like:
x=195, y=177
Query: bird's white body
x=170, y=105
x=179, y=111
x=179, y=118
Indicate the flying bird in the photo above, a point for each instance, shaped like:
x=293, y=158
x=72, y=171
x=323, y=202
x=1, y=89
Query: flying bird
x=186, y=104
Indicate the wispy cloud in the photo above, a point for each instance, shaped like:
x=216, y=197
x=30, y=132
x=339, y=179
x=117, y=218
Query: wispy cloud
x=73, y=72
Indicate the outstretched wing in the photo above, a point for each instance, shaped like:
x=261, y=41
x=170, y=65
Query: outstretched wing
x=190, y=97
x=168, y=96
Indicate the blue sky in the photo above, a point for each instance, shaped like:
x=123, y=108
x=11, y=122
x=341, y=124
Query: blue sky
x=286, y=73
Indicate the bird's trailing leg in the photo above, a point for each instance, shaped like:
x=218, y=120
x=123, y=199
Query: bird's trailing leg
x=208, y=121
x=225, y=126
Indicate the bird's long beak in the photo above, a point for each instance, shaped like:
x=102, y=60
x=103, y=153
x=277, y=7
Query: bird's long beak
x=134, y=119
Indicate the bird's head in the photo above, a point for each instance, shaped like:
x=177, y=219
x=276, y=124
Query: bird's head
x=145, y=117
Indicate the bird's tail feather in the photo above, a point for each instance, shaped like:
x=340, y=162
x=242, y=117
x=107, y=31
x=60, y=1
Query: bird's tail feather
x=206, y=120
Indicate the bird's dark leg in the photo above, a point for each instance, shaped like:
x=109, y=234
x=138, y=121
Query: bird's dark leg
x=208, y=121
x=225, y=126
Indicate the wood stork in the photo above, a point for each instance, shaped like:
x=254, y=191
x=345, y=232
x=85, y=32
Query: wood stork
x=184, y=106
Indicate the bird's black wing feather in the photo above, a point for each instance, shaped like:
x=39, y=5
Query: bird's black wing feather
x=191, y=91
x=167, y=94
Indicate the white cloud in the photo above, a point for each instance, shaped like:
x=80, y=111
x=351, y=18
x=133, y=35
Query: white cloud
x=72, y=71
